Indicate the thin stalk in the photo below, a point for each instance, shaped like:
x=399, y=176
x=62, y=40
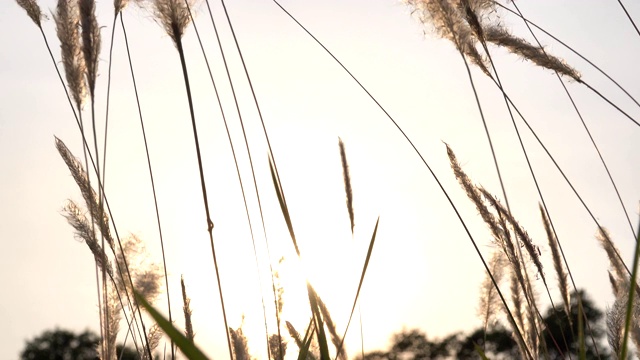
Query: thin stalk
x=500, y=86
x=85, y=148
x=630, y=19
x=153, y=186
x=604, y=164
x=235, y=160
x=178, y=42
x=273, y=287
x=609, y=102
x=572, y=50
x=80, y=125
x=553, y=160
x=406, y=137
x=253, y=94
x=106, y=116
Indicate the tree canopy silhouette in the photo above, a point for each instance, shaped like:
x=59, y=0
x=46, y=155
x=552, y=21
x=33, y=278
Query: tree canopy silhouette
x=62, y=344
x=560, y=336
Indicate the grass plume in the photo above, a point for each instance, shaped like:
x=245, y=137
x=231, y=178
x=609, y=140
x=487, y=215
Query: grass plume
x=33, y=10
x=501, y=37
x=67, y=19
x=91, y=199
x=489, y=303
x=449, y=24
x=188, y=326
x=119, y=5
x=347, y=181
x=90, y=41
x=563, y=285
x=174, y=17
x=84, y=232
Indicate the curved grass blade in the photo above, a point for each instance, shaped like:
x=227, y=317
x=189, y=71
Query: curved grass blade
x=319, y=321
x=187, y=347
x=632, y=296
x=364, y=270
x=480, y=351
x=283, y=206
x=306, y=342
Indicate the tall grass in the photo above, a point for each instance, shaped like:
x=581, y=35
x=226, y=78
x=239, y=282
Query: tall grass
x=126, y=284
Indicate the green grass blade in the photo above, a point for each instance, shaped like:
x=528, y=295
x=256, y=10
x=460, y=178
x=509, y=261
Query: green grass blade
x=317, y=316
x=308, y=337
x=187, y=347
x=364, y=270
x=480, y=351
x=632, y=297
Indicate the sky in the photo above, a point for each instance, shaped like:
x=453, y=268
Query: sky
x=423, y=271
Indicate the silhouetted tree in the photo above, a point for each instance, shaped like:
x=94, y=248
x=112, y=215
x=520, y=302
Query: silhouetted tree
x=414, y=345
x=61, y=344
x=497, y=343
x=561, y=335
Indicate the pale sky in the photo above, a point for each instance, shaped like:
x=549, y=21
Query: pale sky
x=424, y=272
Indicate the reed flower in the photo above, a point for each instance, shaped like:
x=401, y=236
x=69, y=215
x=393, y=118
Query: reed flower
x=99, y=216
x=146, y=275
x=111, y=324
x=155, y=335
x=84, y=232
x=188, y=326
x=476, y=197
x=90, y=41
x=490, y=303
x=173, y=15
x=276, y=345
x=67, y=19
x=449, y=23
x=119, y=5
x=347, y=181
x=240, y=344
x=557, y=263
x=33, y=10
x=500, y=36
x=615, y=324
x=521, y=234
x=619, y=271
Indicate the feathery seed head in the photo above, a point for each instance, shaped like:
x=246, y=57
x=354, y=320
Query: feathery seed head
x=90, y=40
x=95, y=207
x=476, y=197
x=84, y=232
x=501, y=37
x=33, y=10
x=489, y=301
x=612, y=253
x=450, y=23
x=119, y=5
x=240, y=344
x=188, y=326
x=154, y=337
x=521, y=234
x=112, y=323
x=174, y=16
x=557, y=263
x=347, y=181
x=67, y=19
x=146, y=275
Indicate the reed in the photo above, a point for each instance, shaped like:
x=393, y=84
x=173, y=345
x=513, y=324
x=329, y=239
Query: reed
x=516, y=257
